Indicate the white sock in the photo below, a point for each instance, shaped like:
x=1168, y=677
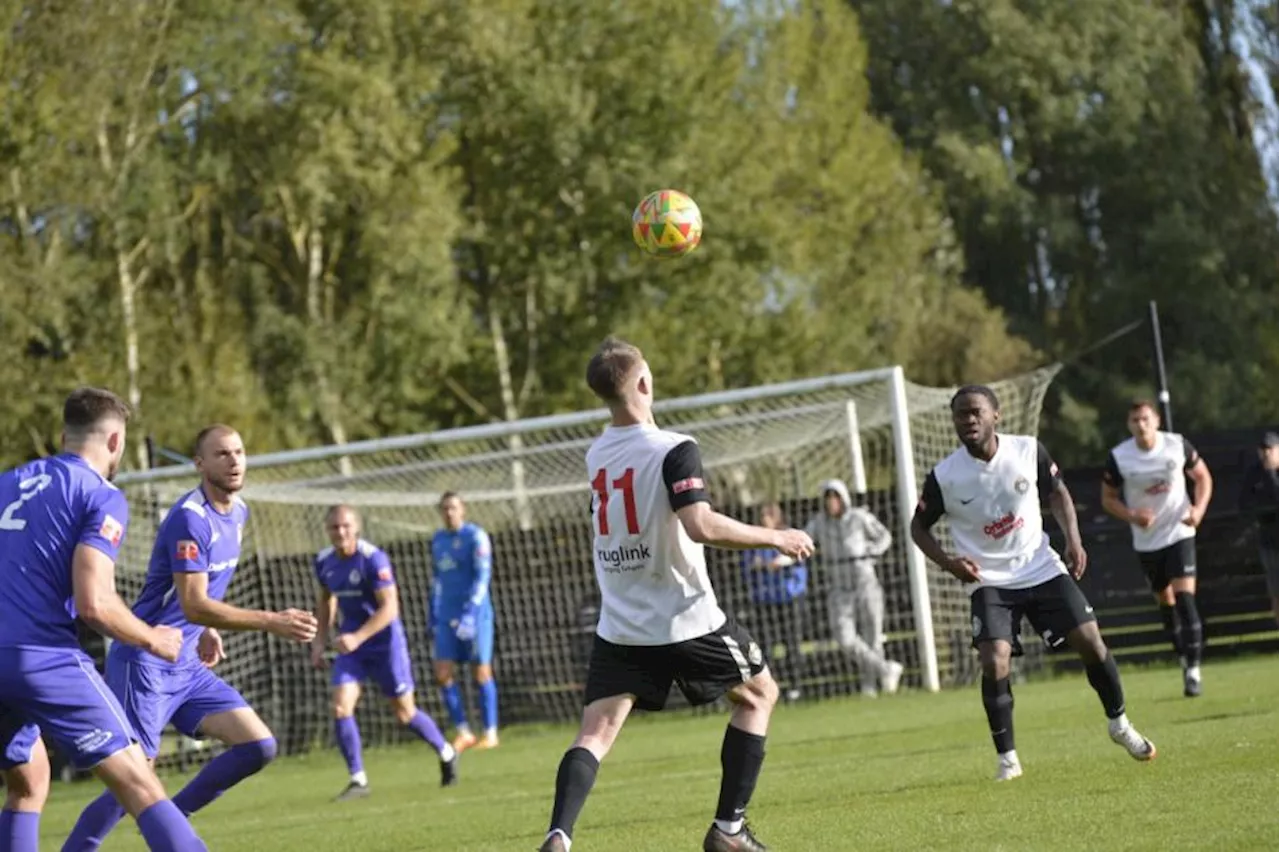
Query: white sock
x=568, y=843
x=447, y=753
x=490, y=733
x=729, y=826
x=1120, y=722
x=1010, y=756
x=360, y=778
x=1193, y=672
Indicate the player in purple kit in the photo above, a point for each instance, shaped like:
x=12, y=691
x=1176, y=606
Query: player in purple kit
x=61, y=526
x=357, y=580
x=195, y=555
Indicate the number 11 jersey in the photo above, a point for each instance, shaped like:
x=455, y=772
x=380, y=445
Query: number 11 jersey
x=653, y=578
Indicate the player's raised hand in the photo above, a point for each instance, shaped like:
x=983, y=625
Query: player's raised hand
x=794, y=543
x=166, y=643
x=1144, y=518
x=963, y=569
x=209, y=648
x=296, y=624
x=346, y=643
x=1076, y=558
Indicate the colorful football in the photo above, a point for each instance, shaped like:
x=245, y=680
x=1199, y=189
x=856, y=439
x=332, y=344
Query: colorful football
x=667, y=224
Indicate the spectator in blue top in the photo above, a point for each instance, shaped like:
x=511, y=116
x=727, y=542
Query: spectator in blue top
x=777, y=585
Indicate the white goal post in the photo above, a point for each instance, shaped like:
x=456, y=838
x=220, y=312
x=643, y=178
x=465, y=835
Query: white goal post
x=526, y=483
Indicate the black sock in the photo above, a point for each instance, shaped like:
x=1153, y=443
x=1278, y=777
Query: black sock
x=741, y=756
x=1104, y=677
x=997, y=700
x=1169, y=616
x=1191, y=633
x=574, y=780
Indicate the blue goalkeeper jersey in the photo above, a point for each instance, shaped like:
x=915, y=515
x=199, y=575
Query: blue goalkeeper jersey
x=462, y=563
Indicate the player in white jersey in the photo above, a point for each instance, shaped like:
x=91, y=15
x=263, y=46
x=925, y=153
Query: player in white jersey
x=991, y=490
x=1145, y=485
x=659, y=620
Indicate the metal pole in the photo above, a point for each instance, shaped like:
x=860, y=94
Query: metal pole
x=917, y=572
x=855, y=449
x=1162, y=380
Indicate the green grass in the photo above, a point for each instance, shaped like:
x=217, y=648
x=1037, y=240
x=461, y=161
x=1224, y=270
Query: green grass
x=908, y=772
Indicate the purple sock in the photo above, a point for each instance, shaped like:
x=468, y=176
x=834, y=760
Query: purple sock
x=422, y=725
x=165, y=829
x=19, y=831
x=348, y=735
x=95, y=823
x=224, y=772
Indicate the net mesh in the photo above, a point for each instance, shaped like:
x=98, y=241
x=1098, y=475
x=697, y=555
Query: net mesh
x=528, y=488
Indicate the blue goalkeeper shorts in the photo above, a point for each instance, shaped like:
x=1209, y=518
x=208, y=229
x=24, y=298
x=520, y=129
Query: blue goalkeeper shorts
x=479, y=650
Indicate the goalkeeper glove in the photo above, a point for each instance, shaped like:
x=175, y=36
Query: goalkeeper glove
x=466, y=629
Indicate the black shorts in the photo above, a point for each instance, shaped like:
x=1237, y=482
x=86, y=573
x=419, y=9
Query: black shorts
x=704, y=668
x=1054, y=608
x=1167, y=564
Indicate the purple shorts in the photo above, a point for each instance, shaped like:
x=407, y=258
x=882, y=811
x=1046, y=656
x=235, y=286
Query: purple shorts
x=387, y=665
x=58, y=691
x=155, y=694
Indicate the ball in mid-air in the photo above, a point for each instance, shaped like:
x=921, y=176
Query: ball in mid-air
x=667, y=223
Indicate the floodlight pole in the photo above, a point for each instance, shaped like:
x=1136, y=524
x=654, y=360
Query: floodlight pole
x=1162, y=379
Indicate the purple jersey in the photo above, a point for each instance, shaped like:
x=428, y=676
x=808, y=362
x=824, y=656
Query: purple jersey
x=48, y=508
x=195, y=537
x=354, y=580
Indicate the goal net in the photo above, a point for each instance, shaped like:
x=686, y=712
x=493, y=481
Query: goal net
x=526, y=483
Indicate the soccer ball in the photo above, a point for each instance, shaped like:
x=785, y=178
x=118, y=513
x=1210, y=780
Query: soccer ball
x=667, y=224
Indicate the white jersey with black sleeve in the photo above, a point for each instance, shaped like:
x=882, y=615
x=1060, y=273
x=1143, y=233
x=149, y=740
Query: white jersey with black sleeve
x=1155, y=479
x=993, y=510
x=653, y=578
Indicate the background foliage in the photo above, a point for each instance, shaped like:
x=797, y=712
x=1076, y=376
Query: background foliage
x=326, y=221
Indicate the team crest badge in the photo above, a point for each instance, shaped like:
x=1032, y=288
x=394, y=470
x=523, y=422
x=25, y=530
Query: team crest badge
x=1171, y=464
x=354, y=577
x=754, y=654
x=1021, y=485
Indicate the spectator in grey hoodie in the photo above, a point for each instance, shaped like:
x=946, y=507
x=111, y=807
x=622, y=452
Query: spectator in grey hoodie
x=848, y=539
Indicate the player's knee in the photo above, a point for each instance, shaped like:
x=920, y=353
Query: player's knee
x=483, y=674
x=404, y=713
x=994, y=658
x=262, y=751
x=25, y=789
x=760, y=693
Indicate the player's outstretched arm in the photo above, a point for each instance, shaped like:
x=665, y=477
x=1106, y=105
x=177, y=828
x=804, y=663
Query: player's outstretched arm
x=199, y=608
x=707, y=526
x=93, y=582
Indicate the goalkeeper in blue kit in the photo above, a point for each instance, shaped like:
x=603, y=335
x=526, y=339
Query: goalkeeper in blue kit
x=462, y=618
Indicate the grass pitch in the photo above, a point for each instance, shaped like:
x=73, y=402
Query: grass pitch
x=907, y=772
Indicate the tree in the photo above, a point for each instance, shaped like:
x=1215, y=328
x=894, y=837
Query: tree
x=1093, y=156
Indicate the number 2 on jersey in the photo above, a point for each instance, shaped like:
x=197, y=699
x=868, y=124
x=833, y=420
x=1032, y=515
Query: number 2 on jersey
x=27, y=489
x=625, y=484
